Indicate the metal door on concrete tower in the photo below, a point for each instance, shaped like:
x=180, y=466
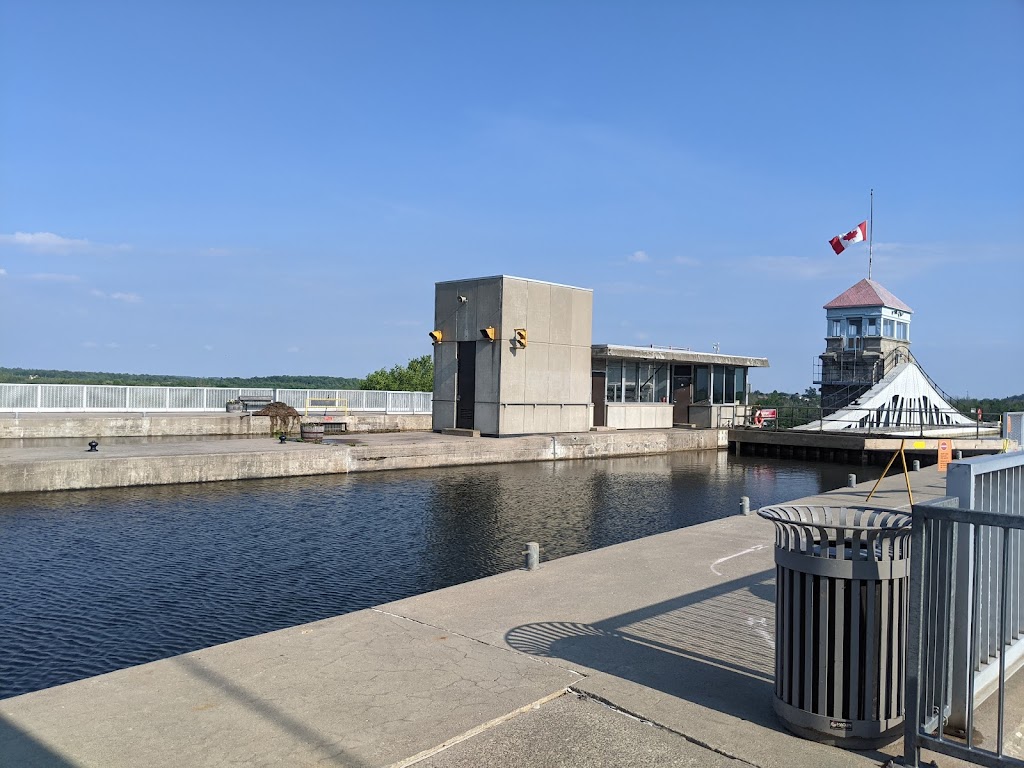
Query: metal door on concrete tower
x=465, y=385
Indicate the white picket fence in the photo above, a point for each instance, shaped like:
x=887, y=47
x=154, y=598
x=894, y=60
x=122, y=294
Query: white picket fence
x=42, y=398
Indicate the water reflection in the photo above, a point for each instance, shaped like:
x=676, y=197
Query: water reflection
x=91, y=581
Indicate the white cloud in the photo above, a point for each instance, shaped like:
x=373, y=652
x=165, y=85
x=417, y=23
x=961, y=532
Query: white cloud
x=89, y=344
x=2, y=271
x=129, y=298
x=44, y=242
x=49, y=277
x=208, y=347
x=111, y=345
x=294, y=349
x=50, y=243
x=638, y=257
x=686, y=261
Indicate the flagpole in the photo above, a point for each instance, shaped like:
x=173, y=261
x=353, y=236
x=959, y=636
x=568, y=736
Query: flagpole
x=871, y=229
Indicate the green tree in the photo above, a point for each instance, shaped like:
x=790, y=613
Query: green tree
x=417, y=376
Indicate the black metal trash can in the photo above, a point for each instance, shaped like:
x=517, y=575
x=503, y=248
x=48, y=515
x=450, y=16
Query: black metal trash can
x=841, y=622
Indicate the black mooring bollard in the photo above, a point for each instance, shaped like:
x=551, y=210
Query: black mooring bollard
x=93, y=446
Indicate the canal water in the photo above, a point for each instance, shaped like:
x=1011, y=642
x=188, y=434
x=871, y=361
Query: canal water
x=93, y=581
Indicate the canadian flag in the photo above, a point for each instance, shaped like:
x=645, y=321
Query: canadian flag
x=858, y=235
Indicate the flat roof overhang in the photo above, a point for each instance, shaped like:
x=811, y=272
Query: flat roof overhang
x=670, y=354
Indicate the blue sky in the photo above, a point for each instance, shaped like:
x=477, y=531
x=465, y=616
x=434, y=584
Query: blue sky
x=251, y=188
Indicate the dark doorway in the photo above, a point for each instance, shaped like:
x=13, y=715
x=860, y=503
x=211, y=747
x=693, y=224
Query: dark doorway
x=682, y=377
x=465, y=386
x=598, y=380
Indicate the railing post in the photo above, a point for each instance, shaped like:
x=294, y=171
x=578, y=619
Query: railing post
x=39, y=397
x=912, y=704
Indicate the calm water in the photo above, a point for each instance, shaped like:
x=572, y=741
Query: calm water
x=92, y=581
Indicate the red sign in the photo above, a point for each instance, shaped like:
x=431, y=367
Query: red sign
x=979, y=414
x=769, y=413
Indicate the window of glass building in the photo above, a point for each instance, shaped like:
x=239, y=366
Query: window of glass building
x=661, y=382
x=730, y=384
x=646, y=383
x=700, y=384
x=718, y=384
x=836, y=328
x=614, y=384
x=741, y=385
x=888, y=329
x=872, y=326
x=902, y=331
x=629, y=384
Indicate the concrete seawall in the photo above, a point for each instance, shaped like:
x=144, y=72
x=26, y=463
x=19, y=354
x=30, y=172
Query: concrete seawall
x=55, y=469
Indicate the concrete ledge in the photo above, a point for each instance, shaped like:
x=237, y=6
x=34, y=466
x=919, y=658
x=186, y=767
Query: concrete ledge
x=49, y=425
x=54, y=469
x=457, y=432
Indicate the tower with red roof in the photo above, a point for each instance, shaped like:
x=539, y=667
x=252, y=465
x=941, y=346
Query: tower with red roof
x=867, y=335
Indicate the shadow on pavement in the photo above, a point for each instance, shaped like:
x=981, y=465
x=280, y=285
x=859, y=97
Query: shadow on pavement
x=310, y=738
x=17, y=748
x=714, y=647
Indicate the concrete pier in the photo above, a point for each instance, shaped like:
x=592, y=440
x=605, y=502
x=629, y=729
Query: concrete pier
x=120, y=465
x=654, y=652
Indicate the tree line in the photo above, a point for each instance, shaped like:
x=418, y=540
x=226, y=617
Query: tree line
x=416, y=376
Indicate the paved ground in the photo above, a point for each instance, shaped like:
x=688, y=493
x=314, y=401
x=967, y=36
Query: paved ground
x=653, y=652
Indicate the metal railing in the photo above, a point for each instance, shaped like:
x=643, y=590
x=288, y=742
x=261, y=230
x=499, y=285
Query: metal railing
x=966, y=628
x=868, y=420
x=42, y=398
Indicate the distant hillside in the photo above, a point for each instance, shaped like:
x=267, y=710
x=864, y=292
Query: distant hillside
x=39, y=376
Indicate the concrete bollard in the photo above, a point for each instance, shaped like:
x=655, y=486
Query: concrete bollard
x=915, y=466
x=851, y=481
x=532, y=553
x=745, y=505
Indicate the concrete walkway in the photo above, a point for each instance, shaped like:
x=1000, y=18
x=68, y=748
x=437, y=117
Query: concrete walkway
x=654, y=652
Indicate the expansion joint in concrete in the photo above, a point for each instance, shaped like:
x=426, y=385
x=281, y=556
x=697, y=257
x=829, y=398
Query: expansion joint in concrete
x=482, y=728
x=647, y=721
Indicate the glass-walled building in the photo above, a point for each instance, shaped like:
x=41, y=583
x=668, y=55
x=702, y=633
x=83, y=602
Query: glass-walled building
x=656, y=387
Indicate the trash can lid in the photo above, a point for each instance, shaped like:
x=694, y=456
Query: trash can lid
x=841, y=532
x=854, y=518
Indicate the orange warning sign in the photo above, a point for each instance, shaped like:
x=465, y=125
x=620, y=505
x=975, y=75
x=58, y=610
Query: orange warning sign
x=945, y=454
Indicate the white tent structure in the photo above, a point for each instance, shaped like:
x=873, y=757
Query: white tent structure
x=905, y=402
